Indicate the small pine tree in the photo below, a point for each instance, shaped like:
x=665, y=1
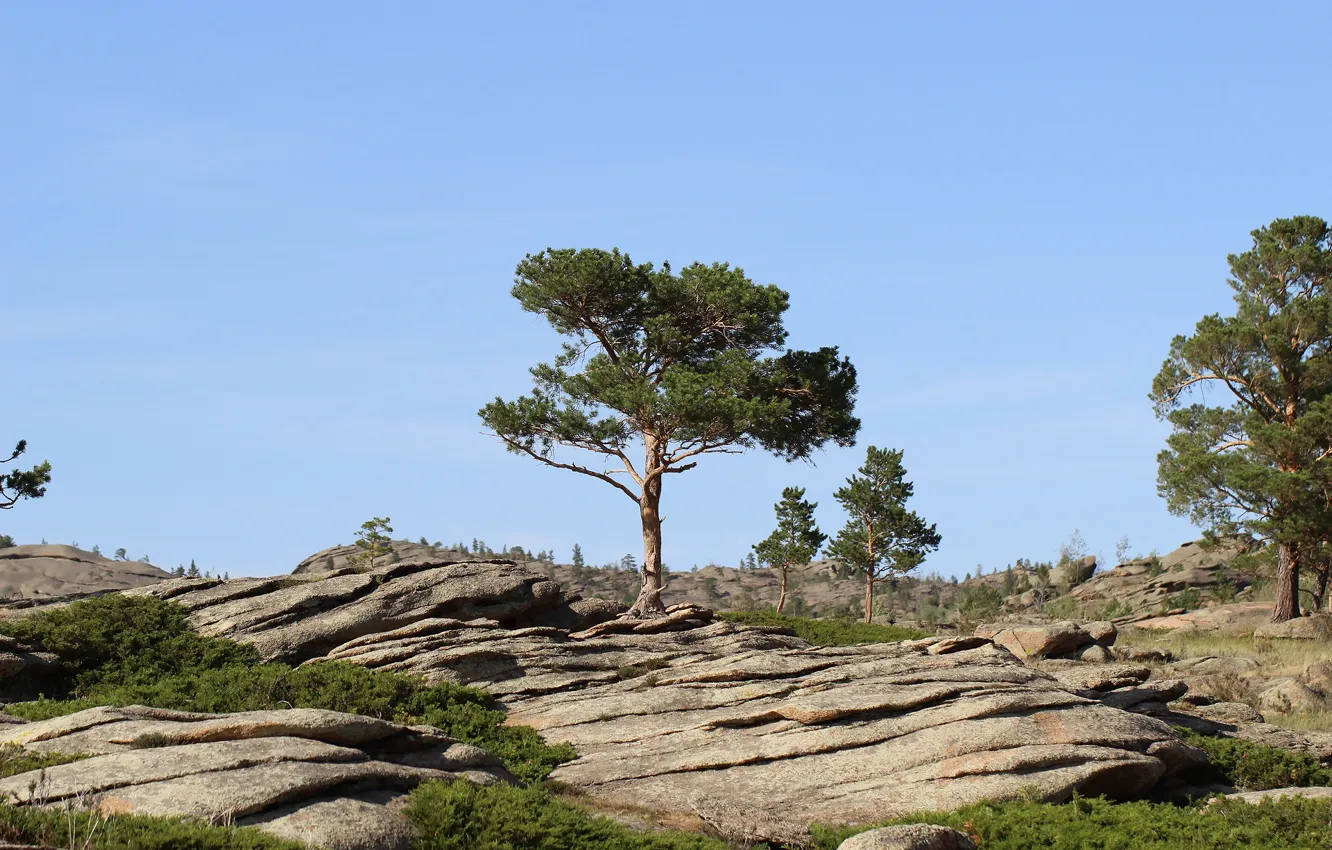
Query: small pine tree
x=193, y=571
x=796, y=539
x=121, y=554
x=96, y=550
x=578, y=556
x=373, y=541
x=628, y=562
x=179, y=571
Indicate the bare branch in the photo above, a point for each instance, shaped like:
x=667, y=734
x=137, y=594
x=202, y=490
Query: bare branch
x=570, y=466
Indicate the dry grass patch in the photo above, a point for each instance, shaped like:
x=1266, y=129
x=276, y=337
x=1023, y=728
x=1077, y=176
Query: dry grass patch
x=1278, y=657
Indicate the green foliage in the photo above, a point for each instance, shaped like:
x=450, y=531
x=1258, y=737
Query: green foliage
x=23, y=484
x=981, y=602
x=577, y=557
x=1290, y=823
x=796, y=539
x=1189, y=599
x=139, y=650
x=840, y=632
x=123, y=640
x=463, y=816
x=1254, y=767
x=90, y=831
x=14, y=760
x=881, y=537
x=373, y=540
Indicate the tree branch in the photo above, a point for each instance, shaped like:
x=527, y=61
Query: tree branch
x=516, y=446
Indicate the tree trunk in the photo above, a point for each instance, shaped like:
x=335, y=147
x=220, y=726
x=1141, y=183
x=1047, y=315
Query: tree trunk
x=1287, y=604
x=649, y=602
x=781, y=600
x=869, y=597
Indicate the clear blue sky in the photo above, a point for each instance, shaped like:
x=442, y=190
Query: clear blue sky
x=255, y=257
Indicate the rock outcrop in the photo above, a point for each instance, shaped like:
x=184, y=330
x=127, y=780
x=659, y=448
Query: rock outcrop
x=327, y=779
x=767, y=725
x=1053, y=640
x=916, y=836
x=296, y=617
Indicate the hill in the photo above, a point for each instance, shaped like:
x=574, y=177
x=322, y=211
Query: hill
x=47, y=571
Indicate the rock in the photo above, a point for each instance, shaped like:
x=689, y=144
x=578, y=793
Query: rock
x=1255, y=797
x=1163, y=691
x=330, y=779
x=34, y=574
x=1074, y=572
x=293, y=618
x=23, y=670
x=1234, y=713
x=1312, y=627
x=1096, y=654
x=916, y=836
x=1102, y=632
x=1318, y=676
x=1102, y=679
x=1037, y=641
x=1290, y=697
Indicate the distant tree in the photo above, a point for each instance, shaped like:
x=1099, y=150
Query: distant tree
x=121, y=554
x=751, y=562
x=1122, y=550
x=23, y=484
x=578, y=556
x=96, y=550
x=1256, y=465
x=424, y=541
x=145, y=560
x=628, y=562
x=796, y=539
x=1010, y=583
x=7, y=542
x=373, y=541
x=476, y=546
x=193, y=571
x=179, y=571
x=687, y=364
x=882, y=539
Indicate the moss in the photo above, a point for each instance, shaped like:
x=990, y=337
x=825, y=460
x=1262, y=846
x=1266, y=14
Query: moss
x=15, y=760
x=840, y=632
x=1097, y=824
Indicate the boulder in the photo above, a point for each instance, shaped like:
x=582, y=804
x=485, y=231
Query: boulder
x=1291, y=697
x=1312, y=627
x=1037, y=641
x=1102, y=632
x=1095, y=654
x=1255, y=797
x=916, y=836
x=328, y=779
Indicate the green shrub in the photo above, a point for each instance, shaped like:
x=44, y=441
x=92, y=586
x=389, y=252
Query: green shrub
x=463, y=816
x=127, y=832
x=633, y=671
x=839, y=632
x=119, y=639
x=1254, y=767
x=185, y=672
x=1290, y=823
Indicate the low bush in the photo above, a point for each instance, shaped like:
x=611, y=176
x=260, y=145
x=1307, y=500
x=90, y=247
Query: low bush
x=840, y=632
x=1254, y=767
x=115, y=639
x=189, y=673
x=1290, y=823
x=28, y=825
x=462, y=816
x=15, y=760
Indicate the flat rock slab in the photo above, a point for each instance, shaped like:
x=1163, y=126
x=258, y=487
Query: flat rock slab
x=731, y=718
x=329, y=779
x=916, y=836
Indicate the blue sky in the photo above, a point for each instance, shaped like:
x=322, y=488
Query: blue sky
x=255, y=258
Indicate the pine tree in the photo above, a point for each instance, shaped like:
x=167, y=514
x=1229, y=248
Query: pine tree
x=578, y=556
x=795, y=541
x=882, y=539
x=670, y=367
x=373, y=540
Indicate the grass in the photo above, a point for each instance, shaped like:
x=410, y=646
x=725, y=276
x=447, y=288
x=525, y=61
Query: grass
x=1278, y=657
x=838, y=632
x=1254, y=767
x=1096, y=824
x=92, y=831
x=15, y=760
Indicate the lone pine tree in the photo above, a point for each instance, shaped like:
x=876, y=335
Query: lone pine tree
x=682, y=365
x=373, y=540
x=796, y=539
x=1262, y=462
x=881, y=539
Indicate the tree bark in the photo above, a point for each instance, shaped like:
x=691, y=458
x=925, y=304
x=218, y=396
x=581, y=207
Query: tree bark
x=781, y=600
x=869, y=596
x=649, y=602
x=1287, y=604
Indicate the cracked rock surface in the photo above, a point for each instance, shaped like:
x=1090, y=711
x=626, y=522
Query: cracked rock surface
x=329, y=779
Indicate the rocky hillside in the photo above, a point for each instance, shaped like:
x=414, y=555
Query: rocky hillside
x=1189, y=577
x=43, y=572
